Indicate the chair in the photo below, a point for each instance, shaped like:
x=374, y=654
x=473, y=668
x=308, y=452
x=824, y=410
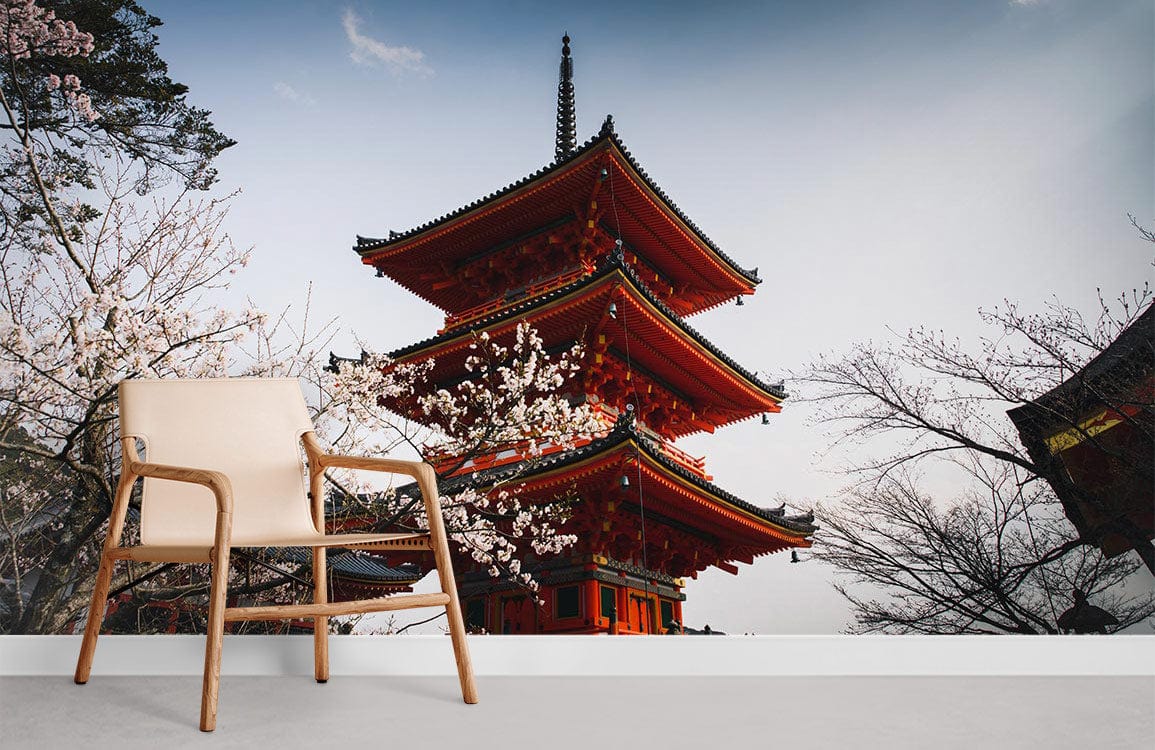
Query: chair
x=225, y=470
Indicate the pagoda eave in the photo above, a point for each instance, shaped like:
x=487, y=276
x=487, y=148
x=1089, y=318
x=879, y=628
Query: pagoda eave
x=665, y=343
x=690, y=498
x=646, y=219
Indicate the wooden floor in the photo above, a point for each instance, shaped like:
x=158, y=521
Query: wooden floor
x=976, y=713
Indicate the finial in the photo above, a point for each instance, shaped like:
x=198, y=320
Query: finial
x=566, y=141
x=607, y=126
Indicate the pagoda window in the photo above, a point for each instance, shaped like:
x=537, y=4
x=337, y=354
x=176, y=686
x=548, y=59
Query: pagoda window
x=475, y=614
x=568, y=602
x=667, y=611
x=642, y=615
x=516, y=614
x=609, y=603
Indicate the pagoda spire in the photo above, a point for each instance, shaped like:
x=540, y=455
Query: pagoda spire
x=566, y=116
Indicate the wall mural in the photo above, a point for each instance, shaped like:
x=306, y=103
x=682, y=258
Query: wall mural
x=551, y=401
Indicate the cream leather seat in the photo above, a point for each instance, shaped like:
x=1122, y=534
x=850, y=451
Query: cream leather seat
x=225, y=469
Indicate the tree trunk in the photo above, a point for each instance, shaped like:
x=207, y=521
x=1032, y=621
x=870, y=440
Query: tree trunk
x=66, y=578
x=61, y=593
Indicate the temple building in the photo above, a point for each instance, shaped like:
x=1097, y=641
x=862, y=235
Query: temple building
x=1093, y=436
x=590, y=249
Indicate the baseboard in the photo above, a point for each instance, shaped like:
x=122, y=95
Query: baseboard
x=601, y=656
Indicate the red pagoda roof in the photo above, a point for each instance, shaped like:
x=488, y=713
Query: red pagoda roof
x=664, y=344
x=671, y=490
x=425, y=259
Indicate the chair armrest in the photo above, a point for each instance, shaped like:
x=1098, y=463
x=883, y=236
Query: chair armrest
x=391, y=465
x=325, y=460
x=221, y=488
x=424, y=474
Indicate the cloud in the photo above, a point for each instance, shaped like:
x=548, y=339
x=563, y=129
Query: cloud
x=369, y=51
x=288, y=93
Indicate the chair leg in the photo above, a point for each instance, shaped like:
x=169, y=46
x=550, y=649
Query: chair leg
x=95, y=619
x=320, y=624
x=456, y=623
x=216, y=632
x=104, y=574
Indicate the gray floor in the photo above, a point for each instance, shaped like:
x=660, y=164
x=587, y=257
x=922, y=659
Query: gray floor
x=1106, y=713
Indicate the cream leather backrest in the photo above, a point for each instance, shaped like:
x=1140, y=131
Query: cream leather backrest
x=246, y=428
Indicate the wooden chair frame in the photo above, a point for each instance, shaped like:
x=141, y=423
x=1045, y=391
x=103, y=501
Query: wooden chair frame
x=218, y=557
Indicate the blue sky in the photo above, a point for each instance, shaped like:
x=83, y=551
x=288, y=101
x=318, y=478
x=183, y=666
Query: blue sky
x=885, y=164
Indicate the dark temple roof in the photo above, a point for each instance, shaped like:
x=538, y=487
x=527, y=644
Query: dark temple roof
x=609, y=266
x=369, y=244
x=350, y=564
x=1119, y=366
x=1103, y=489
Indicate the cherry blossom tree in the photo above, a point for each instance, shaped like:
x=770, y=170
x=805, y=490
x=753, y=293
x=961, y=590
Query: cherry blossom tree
x=128, y=301
x=997, y=554
x=514, y=400
x=87, y=296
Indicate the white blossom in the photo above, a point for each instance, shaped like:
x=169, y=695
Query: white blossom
x=514, y=404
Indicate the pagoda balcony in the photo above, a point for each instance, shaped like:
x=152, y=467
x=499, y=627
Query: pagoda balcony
x=443, y=460
x=696, y=465
x=514, y=296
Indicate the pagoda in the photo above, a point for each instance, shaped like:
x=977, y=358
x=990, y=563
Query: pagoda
x=590, y=250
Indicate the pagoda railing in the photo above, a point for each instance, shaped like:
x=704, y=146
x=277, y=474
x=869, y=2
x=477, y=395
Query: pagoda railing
x=694, y=464
x=513, y=296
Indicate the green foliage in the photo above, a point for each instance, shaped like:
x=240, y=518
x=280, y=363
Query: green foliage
x=144, y=114
x=117, y=111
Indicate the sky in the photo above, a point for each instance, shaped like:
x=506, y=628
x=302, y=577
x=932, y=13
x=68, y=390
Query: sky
x=885, y=165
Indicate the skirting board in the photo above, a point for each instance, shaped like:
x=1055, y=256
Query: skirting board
x=1124, y=655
